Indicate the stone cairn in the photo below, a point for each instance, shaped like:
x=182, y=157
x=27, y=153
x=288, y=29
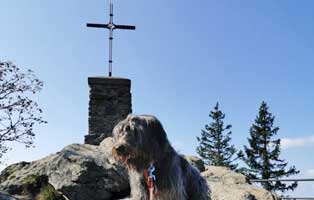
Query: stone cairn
x=109, y=102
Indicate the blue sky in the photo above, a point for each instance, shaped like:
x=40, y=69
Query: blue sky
x=183, y=58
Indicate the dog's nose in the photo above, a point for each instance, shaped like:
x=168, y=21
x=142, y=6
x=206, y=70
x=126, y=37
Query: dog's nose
x=120, y=149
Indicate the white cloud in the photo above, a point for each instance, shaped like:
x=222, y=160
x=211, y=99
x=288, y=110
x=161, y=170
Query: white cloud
x=310, y=172
x=287, y=143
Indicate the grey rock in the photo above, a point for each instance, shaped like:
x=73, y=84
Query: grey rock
x=4, y=196
x=229, y=185
x=88, y=172
x=32, y=187
x=79, y=171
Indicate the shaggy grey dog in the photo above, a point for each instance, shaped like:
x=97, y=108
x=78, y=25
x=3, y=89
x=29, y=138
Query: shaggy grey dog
x=140, y=141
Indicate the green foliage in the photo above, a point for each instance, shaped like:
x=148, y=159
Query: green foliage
x=31, y=184
x=214, y=144
x=262, y=154
x=31, y=179
x=49, y=193
x=38, y=187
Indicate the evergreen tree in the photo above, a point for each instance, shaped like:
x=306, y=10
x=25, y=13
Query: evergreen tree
x=262, y=155
x=214, y=144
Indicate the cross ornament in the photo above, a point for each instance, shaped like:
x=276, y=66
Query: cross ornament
x=111, y=27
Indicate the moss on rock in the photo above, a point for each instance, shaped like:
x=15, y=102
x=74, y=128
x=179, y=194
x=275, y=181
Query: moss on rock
x=32, y=184
x=49, y=193
x=37, y=187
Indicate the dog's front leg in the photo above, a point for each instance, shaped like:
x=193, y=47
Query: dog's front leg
x=138, y=189
x=139, y=194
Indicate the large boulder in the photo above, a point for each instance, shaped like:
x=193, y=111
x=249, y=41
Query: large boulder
x=229, y=185
x=226, y=184
x=33, y=187
x=79, y=171
x=4, y=196
x=88, y=172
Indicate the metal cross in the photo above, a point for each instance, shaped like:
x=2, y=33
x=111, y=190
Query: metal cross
x=111, y=26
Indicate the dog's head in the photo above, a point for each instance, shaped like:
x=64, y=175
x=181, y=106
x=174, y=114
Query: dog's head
x=139, y=140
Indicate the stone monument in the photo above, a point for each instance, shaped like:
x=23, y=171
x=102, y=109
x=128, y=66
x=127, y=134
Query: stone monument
x=109, y=102
x=109, y=97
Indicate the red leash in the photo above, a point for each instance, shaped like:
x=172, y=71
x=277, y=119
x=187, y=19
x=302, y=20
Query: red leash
x=150, y=185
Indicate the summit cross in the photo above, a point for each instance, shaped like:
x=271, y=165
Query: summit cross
x=111, y=27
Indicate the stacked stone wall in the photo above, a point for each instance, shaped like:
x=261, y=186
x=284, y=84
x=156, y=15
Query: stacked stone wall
x=109, y=102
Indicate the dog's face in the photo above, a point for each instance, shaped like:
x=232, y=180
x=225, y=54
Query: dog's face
x=138, y=140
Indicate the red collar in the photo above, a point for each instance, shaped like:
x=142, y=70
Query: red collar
x=150, y=185
x=149, y=182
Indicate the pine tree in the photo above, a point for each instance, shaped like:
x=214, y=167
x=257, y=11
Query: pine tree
x=262, y=155
x=214, y=144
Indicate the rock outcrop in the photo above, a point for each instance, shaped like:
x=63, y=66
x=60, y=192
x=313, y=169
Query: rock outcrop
x=32, y=187
x=229, y=185
x=4, y=196
x=80, y=172
x=88, y=172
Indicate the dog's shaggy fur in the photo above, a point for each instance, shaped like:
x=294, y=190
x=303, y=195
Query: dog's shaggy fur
x=141, y=140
